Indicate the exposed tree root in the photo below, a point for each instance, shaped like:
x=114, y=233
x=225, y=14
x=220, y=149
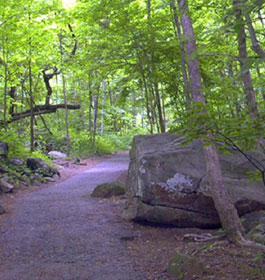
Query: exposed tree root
x=202, y=237
x=245, y=242
x=240, y=240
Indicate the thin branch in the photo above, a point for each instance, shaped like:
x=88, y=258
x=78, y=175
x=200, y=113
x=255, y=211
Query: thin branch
x=255, y=43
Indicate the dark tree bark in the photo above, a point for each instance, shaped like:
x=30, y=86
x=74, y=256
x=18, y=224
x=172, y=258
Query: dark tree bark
x=47, y=77
x=11, y=94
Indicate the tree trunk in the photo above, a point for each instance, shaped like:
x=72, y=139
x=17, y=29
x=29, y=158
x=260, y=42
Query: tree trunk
x=68, y=144
x=226, y=209
x=90, y=125
x=182, y=55
x=243, y=57
x=31, y=99
x=149, y=116
x=159, y=108
x=134, y=111
x=5, y=86
x=102, y=110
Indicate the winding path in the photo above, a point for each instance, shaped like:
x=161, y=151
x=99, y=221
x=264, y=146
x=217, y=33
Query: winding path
x=60, y=233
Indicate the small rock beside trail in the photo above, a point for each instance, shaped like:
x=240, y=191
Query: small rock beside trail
x=254, y=224
x=56, y=154
x=253, y=219
x=185, y=267
x=257, y=234
x=3, y=149
x=5, y=187
x=2, y=210
x=37, y=164
x=108, y=190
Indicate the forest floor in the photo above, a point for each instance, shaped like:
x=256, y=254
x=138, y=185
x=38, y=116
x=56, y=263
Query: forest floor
x=151, y=248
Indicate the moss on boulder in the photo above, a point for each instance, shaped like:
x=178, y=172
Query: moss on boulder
x=185, y=267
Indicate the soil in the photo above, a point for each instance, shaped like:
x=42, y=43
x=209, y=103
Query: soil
x=143, y=251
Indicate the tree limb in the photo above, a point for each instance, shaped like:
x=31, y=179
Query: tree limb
x=41, y=110
x=47, y=77
x=255, y=43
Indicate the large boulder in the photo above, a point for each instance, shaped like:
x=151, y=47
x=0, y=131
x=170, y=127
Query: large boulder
x=168, y=184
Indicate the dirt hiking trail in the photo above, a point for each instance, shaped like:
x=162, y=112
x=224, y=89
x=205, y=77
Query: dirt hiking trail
x=61, y=233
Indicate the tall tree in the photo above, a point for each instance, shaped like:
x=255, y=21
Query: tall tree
x=223, y=203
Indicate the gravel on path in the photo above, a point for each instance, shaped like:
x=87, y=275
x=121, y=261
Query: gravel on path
x=61, y=233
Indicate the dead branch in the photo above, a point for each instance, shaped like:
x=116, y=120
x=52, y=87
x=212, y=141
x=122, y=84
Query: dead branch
x=41, y=110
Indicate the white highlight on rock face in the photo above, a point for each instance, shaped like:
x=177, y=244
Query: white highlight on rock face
x=141, y=168
x=177, y=184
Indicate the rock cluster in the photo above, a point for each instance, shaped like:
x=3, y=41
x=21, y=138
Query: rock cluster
x=18, y=171
x=168, y=184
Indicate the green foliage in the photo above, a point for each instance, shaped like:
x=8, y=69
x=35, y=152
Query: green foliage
x=82, y=145
x=16, y=144
x=135, y=51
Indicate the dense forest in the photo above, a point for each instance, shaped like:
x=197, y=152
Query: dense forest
x=85, y=76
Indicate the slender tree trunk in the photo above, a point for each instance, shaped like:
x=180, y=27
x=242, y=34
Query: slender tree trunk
x=243, y=57
x=226, y=209
x=163, y=105
x=68, y=144
x=262, y=88
x=149, y=116
x=90, y=108
x=182, y=54
x=31, y=95
x=153, y=105
x=159, y=108
x=134, y=111
x=5, y=86
x=96, y=98
x=102, y=110
x=160, y=123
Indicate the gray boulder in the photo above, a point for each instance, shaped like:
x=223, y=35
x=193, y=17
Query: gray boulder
x=108, y=190
x=167, y=183
x=17, y=161
x=56, y=154
x=253, y=219
x=3, y=149
x=257, y=234
x=2, y=210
